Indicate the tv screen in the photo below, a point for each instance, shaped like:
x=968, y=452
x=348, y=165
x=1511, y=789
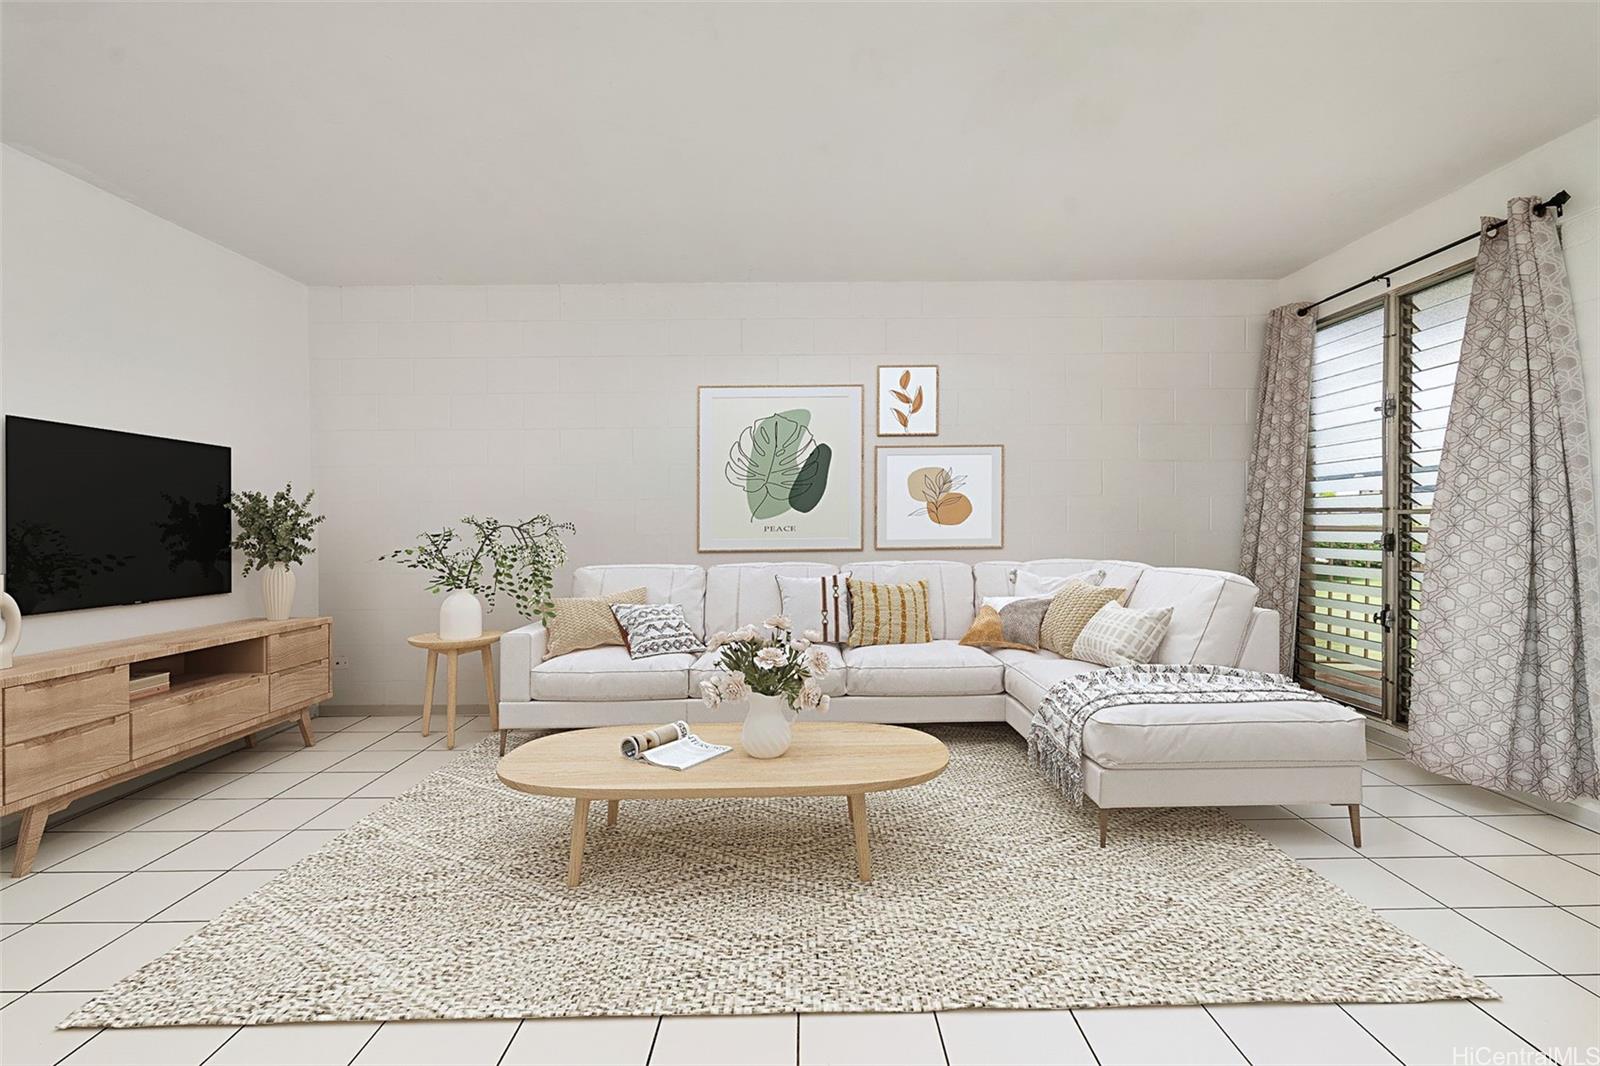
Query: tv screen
x=98, y=518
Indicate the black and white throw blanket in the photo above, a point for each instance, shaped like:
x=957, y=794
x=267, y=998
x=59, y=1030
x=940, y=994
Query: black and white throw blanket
x=1055, y=743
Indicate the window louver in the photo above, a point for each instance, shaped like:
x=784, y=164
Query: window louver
x=1432, y=322
x=1340, y=642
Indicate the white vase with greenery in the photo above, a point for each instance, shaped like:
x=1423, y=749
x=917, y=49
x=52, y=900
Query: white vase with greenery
x=492, y=557
x=274, y=533
x=774, y=675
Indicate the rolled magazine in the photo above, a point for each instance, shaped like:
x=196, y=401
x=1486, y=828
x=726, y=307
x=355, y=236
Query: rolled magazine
x=672, y=746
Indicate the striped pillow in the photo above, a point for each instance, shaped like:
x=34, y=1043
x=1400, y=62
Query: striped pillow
x=888, y=614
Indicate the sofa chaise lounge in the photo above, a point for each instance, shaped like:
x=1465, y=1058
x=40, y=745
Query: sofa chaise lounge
x=1136, y=756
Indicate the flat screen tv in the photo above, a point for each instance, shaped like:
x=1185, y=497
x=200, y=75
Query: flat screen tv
x=98, y=518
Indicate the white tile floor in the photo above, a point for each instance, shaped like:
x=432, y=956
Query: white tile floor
x=1508, y=892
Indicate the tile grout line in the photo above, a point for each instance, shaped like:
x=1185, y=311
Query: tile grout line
x=1344, y=1008
x=1086, y=1041
x=1225, y=1034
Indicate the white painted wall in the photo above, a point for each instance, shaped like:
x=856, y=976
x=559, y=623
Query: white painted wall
x=1570, y=162
x=111, y=316
x=1123, y=407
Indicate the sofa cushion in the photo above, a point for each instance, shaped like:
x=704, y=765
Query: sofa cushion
x=1210, y=613
x=832, y=682
x=936, y=668
x=683, y=585
x=609, y=674
x=1272, y=733
x=999, y=578
x=746, y=594
x=1030, y=675
x=950, y=603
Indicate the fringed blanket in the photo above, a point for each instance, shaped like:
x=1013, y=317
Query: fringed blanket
x=1055, y=743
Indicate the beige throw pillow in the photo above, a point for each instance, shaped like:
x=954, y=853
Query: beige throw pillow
x=1122, y=636
x=1070, y=611
x=586, y=622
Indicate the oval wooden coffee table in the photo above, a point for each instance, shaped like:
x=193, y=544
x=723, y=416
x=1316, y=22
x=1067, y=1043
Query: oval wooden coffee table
x=846, y=759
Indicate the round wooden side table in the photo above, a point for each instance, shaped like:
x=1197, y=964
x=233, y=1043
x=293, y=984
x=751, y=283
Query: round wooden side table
x=435, y=646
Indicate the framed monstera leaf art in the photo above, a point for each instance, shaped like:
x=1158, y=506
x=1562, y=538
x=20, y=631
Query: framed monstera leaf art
x=950, y=496
x=780, y=468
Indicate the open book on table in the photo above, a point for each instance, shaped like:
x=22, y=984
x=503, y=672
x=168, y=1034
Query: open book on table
x=672, y=746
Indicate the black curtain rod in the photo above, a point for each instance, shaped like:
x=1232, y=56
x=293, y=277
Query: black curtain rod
x=1558, y=201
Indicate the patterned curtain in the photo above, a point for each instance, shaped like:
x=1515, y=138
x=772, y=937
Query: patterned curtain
x=1508, y=663
x=1275, y=499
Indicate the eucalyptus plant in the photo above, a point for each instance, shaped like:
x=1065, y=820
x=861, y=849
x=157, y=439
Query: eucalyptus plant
x=491, y=557
x=273, y=530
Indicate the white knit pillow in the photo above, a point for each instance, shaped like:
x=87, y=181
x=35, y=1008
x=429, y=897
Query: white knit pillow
x=1122, y=636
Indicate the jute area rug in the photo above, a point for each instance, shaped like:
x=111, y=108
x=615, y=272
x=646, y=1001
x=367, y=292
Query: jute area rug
x=988, y=891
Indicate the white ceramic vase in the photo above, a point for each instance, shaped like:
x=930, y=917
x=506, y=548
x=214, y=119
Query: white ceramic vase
x=460, y=616
x=766, y=726
x=11, y=618
x=277, y=591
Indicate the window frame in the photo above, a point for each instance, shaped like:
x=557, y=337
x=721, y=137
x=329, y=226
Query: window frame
x=1397, y=611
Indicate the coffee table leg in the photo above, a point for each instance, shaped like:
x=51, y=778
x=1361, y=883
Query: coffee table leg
x=611, y=812
x=580, y=827
x=858, y=821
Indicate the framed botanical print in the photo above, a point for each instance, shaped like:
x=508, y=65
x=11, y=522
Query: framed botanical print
x=949, y=496
x=779, y=468
x=908, y=401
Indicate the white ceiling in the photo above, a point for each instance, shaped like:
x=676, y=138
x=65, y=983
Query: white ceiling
x=463, y=142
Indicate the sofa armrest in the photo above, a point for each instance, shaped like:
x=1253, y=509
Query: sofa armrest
x=1260, y=642
x=520, y=650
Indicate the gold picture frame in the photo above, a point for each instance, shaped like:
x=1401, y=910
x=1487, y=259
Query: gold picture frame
x=727, y=521
x=910, y=412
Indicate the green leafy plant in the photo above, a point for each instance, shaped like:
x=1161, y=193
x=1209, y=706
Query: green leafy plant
x=273, y=530
x=779, y=464
x=492, y=557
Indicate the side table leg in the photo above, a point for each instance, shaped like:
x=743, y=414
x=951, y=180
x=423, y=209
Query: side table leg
x=450, y=707
x=305, y=728
x=427, y=693
x=488, y=684
x=611, y=813
x=580, y=827
x=858, y=820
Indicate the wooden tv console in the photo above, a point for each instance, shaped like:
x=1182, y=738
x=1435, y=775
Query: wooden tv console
x=69, y=726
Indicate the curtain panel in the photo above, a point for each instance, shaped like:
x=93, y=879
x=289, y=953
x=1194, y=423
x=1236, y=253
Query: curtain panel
x=1509, y=654
x=1275, y=491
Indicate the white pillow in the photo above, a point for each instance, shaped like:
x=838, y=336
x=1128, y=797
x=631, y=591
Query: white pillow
x=1122, y=636
x=1029, y=584
x=821, y=604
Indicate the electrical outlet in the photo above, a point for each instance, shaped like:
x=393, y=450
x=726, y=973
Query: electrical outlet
x=341, y=661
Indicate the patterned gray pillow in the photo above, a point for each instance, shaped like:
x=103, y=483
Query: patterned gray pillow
x=656, y=629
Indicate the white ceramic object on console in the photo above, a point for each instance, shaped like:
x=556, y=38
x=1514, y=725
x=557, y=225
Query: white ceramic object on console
x=767, y=730
x=460, y=616
x=11, y=618
x=277, y=591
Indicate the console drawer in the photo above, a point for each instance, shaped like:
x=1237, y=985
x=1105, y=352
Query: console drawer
x=64, y=702
x=285, y=650
x=302, y=685
x=46, y=763
x=169, y=721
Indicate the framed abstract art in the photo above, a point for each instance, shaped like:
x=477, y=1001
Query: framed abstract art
x=779, y=468
x=908, y=401
x=949, y=496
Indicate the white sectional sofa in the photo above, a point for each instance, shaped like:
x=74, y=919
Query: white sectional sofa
x=1279, y=752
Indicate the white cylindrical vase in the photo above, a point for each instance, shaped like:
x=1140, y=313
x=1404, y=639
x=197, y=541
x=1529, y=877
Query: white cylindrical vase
x=277, y=591
x=460, y=616
x=11, y=619
x=767, y=729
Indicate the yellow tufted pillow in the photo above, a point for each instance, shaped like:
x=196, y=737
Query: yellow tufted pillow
x=888, y=614
x=1070, y=611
